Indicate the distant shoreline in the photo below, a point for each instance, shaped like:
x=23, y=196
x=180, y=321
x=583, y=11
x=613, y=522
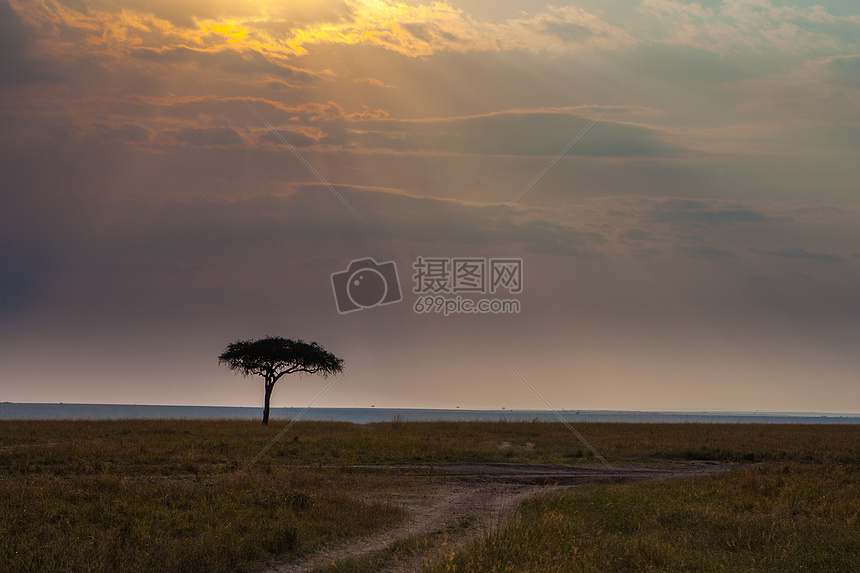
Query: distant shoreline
x=36, y=411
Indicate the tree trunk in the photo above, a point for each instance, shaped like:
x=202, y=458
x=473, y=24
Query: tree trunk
x=269, y=388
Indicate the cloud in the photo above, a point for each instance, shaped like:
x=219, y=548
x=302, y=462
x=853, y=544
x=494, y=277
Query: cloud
x=127, y=132
x=14, y=37
x=306, y=13
x=242, y=62
x=567, y=31
x=431, y=33
x=17, y=64
x=715, y=217
x=754, y=27
x=525, y=132
x=294, y=138
x=638, y=235
x=372, y=82
x=139, y=196
x=687, y=66
x=185, y=14
x=800, y=253
x=554, y=239
x=704, y=252
x=147, y=230
x=547, y=134
x=576, y=29
x=288, y=29
x=207, y=136
x=513, y=132
x=846, y=70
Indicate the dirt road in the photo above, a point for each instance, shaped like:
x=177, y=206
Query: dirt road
x=466, y=499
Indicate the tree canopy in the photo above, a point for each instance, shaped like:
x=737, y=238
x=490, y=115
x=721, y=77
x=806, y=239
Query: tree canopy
x=273, y=357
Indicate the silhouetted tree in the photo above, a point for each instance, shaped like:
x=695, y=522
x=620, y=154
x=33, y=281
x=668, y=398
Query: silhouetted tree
x=273, y=356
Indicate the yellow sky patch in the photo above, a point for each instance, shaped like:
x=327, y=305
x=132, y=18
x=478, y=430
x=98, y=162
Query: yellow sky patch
x=413, y=30
x=232, y=30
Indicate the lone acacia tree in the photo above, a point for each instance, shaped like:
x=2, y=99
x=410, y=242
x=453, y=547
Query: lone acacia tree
x=273, y=356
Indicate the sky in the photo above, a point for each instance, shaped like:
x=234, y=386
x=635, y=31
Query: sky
x=658, y=198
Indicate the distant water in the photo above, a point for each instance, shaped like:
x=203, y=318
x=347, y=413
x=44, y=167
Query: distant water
x=24, y=411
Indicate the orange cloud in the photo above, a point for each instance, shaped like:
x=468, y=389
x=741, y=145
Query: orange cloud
x=115, y=29
x=372, y=82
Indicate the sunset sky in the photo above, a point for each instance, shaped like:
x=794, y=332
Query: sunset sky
x=698, y=247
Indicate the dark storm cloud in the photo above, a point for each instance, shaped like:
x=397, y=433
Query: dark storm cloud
x=245, y=62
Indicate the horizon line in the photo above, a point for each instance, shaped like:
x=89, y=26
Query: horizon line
x=455, y=409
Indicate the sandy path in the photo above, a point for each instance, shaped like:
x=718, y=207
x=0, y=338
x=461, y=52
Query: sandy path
x=481, y=495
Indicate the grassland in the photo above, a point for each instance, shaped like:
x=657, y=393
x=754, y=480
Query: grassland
x=779, y=518
x=176, y=496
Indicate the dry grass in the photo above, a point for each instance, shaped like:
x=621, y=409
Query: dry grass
x=171, y=494
x=769, y=518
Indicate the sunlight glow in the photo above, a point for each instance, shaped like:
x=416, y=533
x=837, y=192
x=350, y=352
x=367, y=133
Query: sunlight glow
x=413, y=30
x=231, y=30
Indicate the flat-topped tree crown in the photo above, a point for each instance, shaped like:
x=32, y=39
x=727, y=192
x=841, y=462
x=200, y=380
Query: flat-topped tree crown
x=273, y=357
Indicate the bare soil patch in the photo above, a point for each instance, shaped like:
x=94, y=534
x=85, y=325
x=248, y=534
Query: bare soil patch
x=464, y=499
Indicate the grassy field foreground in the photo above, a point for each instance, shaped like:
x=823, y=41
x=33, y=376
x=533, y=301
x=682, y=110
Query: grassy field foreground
x=779, y=518
x=174, y=495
